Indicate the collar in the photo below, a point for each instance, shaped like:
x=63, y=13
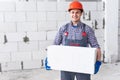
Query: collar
x=78, y=25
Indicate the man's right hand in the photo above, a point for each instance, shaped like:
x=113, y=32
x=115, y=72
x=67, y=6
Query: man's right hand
x=47, y=67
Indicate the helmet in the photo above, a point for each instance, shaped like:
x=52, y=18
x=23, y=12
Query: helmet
x=75, y=5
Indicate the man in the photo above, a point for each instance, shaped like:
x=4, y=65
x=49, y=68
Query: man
x=76, y=33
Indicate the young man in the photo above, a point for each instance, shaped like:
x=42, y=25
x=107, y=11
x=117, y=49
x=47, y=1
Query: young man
x=76, y=33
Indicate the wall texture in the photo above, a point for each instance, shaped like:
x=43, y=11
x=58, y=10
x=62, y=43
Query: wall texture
x=119, y=33
x=27, y=27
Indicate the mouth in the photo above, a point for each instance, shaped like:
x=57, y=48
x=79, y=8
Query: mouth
x=74, y=17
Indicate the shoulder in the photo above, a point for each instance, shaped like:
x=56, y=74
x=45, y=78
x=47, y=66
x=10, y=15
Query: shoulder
x=86, y=25
x=64, y=27
x=87, y=28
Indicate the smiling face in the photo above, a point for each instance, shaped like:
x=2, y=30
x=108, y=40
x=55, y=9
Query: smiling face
x=75, y=15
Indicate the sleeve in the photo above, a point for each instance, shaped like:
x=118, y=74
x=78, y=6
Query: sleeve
x=92, y=40
x=58, y=37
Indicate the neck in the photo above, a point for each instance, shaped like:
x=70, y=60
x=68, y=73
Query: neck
x=75, y=23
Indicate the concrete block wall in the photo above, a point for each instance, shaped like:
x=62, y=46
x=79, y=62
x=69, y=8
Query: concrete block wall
x=94, y=17
x=119, y=34
x=28, y=27
x=111, y=30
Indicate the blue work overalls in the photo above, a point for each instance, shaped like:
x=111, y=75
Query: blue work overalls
x=65, y=75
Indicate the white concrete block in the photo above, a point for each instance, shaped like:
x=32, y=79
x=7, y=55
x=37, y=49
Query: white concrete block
x=101, y=41
x=1, y=38
x=34, y=64
x=39, y=55
x=73, y=59
x=100, y=6
x=5, y=57
x=61, y=16
x=47, y=25
x=51, y=16
x=119, y=5
x=119, y=31
x=67, y=17
x=89, y=23
x=36, y=16
x=1, y=17
x=90, y=5
x=61, y=23
x=42, y=48
x=86, y=15
x=27, y=27
x=102, y=50
x=99, y=33
x=15, y=17
x=62, y=6
x=100, y=24
x=29, y=46
x=7, y=6
x=26, y=6
x=21, y=56
x=50, y=6
x=41, y=6
x=99, y=15
x=111, y=33
x=7, y=66
x=15, y=36
x=119, y=41
x=51, y=35
x=43, y=53
x=119, y=13
x=37, y=35
x=8, y=0
x=45, y=44
x=7, y=27
x=9, y=47
x=41, y=16
x=36, y=55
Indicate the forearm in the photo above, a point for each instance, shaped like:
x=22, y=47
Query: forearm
x=98, y=54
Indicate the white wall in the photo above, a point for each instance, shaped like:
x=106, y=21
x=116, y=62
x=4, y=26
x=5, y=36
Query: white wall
x=119, y=33
x=111, y=31
x=39, y=20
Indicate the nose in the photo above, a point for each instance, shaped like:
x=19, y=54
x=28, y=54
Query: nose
x=74, y=14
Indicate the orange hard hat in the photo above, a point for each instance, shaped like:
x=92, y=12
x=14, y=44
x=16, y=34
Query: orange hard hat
x=75, y=5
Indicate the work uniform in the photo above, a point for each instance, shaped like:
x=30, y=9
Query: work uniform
x=81, y=36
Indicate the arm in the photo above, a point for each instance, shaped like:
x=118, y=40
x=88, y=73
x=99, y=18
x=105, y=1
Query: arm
x=92, y=40
x=58, y=37
x=98, y=54
x=57, y=41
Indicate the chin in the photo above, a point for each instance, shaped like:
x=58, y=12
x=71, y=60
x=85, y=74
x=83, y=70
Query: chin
x=75, y=20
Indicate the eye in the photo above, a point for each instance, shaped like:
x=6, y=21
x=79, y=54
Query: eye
x=72, y=12
x=78, y=12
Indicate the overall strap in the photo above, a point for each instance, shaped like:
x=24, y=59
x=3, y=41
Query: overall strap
x=84, y=27
x=65, y=32
x=66, y=27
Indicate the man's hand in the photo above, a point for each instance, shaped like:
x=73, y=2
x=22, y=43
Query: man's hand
x=97, y=66
x=47, y=67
